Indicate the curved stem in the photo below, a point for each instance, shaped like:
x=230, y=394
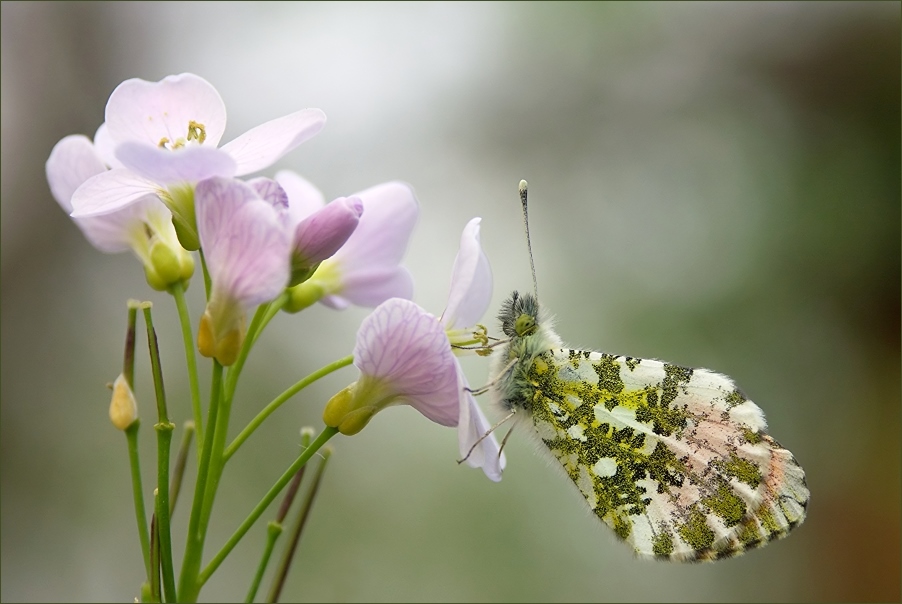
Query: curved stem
x=279, y=400
x=324, y=436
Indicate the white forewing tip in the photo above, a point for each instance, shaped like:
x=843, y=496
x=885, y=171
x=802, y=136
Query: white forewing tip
x=522, y=187
x=749, y=414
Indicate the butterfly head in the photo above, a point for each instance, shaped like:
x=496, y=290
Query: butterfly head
x=519, y=315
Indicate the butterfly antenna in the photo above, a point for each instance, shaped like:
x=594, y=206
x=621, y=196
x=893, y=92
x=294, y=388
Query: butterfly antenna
x=532, y=265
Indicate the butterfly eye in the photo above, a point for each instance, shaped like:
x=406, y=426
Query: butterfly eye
x=525, y=325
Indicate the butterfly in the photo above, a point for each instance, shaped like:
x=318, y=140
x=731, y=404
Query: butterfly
x=675, y=460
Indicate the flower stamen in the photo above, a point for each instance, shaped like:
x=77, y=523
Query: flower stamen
x=196, y=131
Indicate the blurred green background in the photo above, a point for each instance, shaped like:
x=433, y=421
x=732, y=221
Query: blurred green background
x=717, y=185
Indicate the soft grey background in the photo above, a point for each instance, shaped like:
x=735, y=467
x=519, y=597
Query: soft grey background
x=712, y=184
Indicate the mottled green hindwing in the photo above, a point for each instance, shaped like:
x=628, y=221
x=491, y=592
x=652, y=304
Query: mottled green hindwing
x=675, y=460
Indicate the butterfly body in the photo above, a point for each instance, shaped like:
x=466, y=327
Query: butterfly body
x=675, y=460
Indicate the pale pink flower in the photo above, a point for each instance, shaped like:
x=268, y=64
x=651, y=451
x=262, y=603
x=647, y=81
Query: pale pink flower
x=366, y=270
x=162, y=138
x=317, y=230
x=145, y=226
x=405, y=357
x=247, y=251
x=468, y=299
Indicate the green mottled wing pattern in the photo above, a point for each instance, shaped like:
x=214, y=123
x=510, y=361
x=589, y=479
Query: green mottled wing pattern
x=674, y=460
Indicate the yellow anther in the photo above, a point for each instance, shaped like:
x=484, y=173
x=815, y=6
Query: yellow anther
x=196, y=132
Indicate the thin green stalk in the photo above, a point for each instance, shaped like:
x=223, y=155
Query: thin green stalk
x=324, y=437
x=128, y=357
x=274, y=528
x=189, y=586
x=262, y=317
x=178, y=293
x=168, y=589
x=217, y=457
x=279, y=400
x=155, y=555
x=269, y=311
x=181, y=461
x=131, y=434
x=203, y=266
x=164, y=430
x=288, y=555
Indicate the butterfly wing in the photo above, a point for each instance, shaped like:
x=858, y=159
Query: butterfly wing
x=675, y=460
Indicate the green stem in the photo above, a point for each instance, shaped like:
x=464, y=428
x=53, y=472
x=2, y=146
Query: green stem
x=128, y=358
x=164, y=430
x=181, y=461
x=131, y=434
x=168, y=589
x=155, y=555
x=178, y=293
x=279, y=400
x=189, y=586
x=324, y=436
x=217, y=457
x=304, y=513
x=203, y=266
x=269, y=311
x=274, y=528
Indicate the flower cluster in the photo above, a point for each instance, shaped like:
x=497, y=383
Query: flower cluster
x=155, y=180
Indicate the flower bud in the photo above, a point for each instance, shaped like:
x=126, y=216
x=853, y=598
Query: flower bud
x=221, y=331
x=123, y=407
x=349, y=412
x=167, y=263
x=320, y=235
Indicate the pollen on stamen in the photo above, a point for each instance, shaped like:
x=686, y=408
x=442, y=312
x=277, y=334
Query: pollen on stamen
x=196, y=131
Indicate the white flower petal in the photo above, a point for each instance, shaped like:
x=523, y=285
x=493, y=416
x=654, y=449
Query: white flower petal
x=471, y=281
x=72, y=161
x=303, y=197
x=371, y=287
x=189, y=164
x=106, y=147
x=115, y=232
x=473, y=426
x=262, y=146
x=150, y=112
x=110, y=191
x=389, y=214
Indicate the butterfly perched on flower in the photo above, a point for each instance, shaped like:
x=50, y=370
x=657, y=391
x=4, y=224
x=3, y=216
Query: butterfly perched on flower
x=675, y=460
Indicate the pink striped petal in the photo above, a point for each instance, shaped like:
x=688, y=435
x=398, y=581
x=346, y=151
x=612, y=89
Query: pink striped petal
x=246, y=246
